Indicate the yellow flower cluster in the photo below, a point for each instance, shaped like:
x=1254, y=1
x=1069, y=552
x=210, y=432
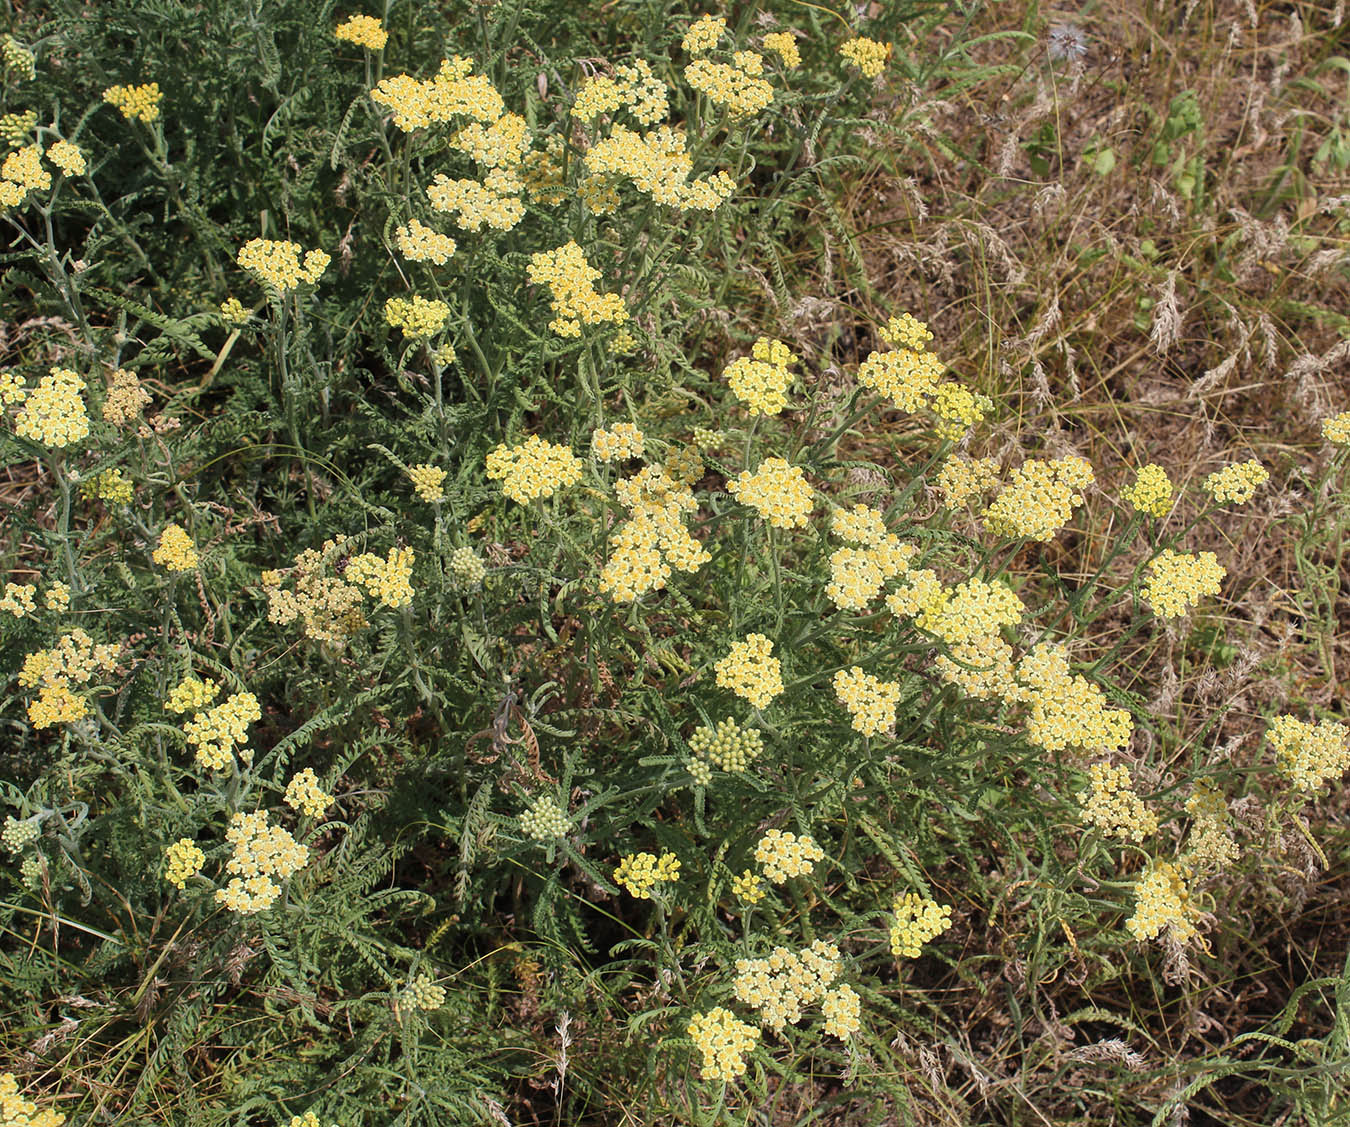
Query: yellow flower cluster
x=364, y=31
x=783, y=854
x=328, y=607
x=544, y=820
x=703, y=34
x=1337, y=429
x=493, y=203
x=761, y=380
x=58, y=597
x=858, y=574
x=571, y=281
x=784, y=984
x=906, y=331
x=15, y=1111
x=136, y=103
x=1236, y=484
x=182, y=861
x=619, y=443
x=917, y=920
x=970, y=610
x=423, y=993
x=842, y=1010
x=1151, y=492
x=67, y=158
x=110, y=486
x=777, y=491
x=304, y=794
x=218, y=732
x=905, y=375
x=175, y=550
x=751, y=671
x=642, y=872
x=427, y=481
x=960, y=479
x=724, y=1040
x=1111, y=804
x=646, y=548
x=1039, y=498
x=1178, y=581
x=534, y=468
x=782, y=44
x=21, y=173
x=737, y=86
x=633, y=86
x=126, y=398
x=419, y=243
x=870, y=700
x=18, y=599
x=867, y=55
x=389, y=580
x=500, y=146
x=659, y=166
x=190, y=695
x=261, y=852
x=958, y=409
x=747, y=888
x=276, y=262
x=1163, y=899
x=1065, y=709
x=12, y=389
x=728, y=746
x=56, y=671
x=54, y=413
x=1210, y=843
x=1310, y=756
x=454, y=92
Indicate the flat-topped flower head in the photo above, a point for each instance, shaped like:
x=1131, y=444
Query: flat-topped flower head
x=53, y=413
x=1111, y=804
x=136, y=103
x=1163, y=900
x=304, y=794
x=782, y=44
x=777, y=491
x=867, y=55
x=703, y=34
x=917, y=920
x=1236, y=484
x=783, y=854
x=723, y=1040
x=617, y=443
x=1337, y=429
x=278, y=263
x=1178, y=581
x=751, y=671
x=364, y=31
x=175, y=551
x=1310, y=756
x=427, y=481
x=640, y=873
x=1039, y=498
x=183, y=860
x=1151, y=492
x=419, y=243
x=869, y=700
x=532, y=469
